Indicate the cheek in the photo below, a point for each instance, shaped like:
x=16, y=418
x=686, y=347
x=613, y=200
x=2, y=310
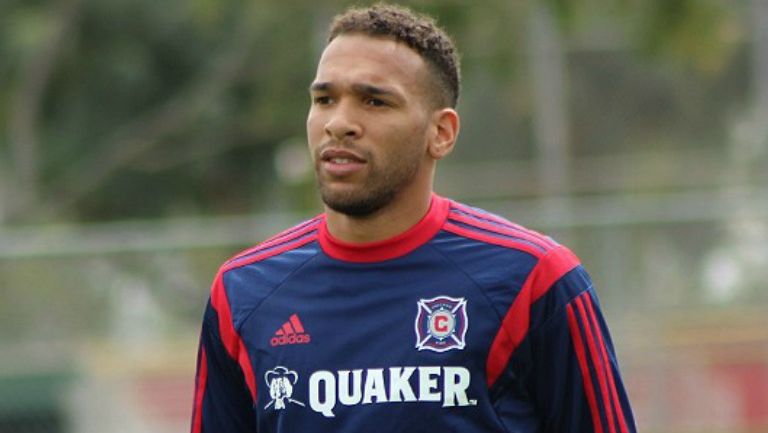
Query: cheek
x=314, y=127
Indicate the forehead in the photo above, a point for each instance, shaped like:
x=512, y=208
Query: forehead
x=358, y=58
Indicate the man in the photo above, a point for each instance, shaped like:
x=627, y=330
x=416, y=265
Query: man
x=398, y=310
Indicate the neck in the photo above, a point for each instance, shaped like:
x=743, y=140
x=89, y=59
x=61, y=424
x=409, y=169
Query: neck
x=402, y=213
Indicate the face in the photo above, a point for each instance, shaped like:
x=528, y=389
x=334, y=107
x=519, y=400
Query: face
x=368, y=124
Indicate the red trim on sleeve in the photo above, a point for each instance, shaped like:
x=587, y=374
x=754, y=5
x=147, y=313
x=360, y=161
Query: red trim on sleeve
x=516, y=322
x=560, y=261
x=200, y=383
x=581, y=356
x=609, y=370
x=596, y=361
x=391, y=248
x=229, y=336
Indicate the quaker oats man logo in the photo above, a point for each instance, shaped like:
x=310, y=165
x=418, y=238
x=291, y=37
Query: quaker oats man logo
x=280, y=381
x=441, y=324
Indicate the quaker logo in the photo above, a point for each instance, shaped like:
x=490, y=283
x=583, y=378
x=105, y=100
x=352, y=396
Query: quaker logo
x=331, y=390
x=441, y=324
x=280, y=382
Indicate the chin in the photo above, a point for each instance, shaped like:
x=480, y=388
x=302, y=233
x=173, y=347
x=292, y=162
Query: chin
x=355, y=205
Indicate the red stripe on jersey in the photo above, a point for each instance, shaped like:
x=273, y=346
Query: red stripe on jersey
x=502, y=230
x=500, y=241
x=296, y=323
x=514, y=326
x=284, y=237
x=229, y=336
x=597, y=361
x=485, y=215
x=480, y=219
x=270, y=253
x=604, y=352
x=560, y=261
x=516, y=322
x=311, y=222
x=200, y=381
x=581, y=356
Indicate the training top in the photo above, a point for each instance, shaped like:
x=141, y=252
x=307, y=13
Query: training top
x=464, y=323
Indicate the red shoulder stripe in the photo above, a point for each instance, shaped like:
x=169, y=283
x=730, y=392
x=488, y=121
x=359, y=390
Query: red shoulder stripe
x=232, y=341
x=286, y=236
x=498, y=220
x=515, y=324
x=500, y=241
x=477, y=213
x=503, y=230
x=297, y=227
x=258, y=256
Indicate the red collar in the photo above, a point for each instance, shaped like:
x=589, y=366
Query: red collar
x=393, y=247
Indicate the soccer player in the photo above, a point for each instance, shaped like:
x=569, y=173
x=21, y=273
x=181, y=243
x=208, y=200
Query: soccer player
x=398, y=310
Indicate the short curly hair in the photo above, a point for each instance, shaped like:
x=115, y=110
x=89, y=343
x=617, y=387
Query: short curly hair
x=417, y=31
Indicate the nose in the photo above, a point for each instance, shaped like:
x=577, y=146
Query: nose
x=342, y=124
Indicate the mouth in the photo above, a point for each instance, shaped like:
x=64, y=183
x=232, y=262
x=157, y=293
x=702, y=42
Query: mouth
x=339, y=163
x=341, y=156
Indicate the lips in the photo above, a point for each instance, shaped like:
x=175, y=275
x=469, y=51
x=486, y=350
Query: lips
x=338, y=162
x=340, y=156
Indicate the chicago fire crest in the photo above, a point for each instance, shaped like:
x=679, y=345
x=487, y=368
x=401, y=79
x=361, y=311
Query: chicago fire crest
x=441, y=324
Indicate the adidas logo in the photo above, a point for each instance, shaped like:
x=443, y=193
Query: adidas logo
x=292, y=332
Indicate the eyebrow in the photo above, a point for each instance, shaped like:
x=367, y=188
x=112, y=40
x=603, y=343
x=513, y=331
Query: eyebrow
x=320, y=87
x=364, y=89
x=367, y=89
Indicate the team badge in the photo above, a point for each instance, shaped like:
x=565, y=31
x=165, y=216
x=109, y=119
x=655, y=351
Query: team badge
x=441, y=324
x=280, y=381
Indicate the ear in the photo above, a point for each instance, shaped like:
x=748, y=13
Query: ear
x=445, y=130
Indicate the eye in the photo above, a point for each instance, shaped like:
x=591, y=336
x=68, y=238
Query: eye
x=375, y=102
x=322, y=100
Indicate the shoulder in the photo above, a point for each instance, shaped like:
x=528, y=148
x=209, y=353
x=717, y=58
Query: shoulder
x=487, y=228
x=290, y=239
x=498, y=253
x=247, y=278
x=485, y=240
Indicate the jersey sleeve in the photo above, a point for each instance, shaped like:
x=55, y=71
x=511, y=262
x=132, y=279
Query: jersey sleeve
x=222, y=402
x=576, y=385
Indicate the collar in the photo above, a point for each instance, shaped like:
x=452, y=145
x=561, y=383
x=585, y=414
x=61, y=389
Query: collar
x=393, y=247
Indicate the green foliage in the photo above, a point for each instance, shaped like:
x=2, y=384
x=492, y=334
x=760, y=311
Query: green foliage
x=138, y=108
x=698, y=34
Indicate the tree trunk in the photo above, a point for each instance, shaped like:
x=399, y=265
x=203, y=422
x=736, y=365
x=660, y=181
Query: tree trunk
x=550, y=117
x=24, y=191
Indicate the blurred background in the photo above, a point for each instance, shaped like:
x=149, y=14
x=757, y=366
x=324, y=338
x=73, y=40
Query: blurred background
x=142, y=143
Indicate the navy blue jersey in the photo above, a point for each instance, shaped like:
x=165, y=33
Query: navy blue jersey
x=464, y=323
